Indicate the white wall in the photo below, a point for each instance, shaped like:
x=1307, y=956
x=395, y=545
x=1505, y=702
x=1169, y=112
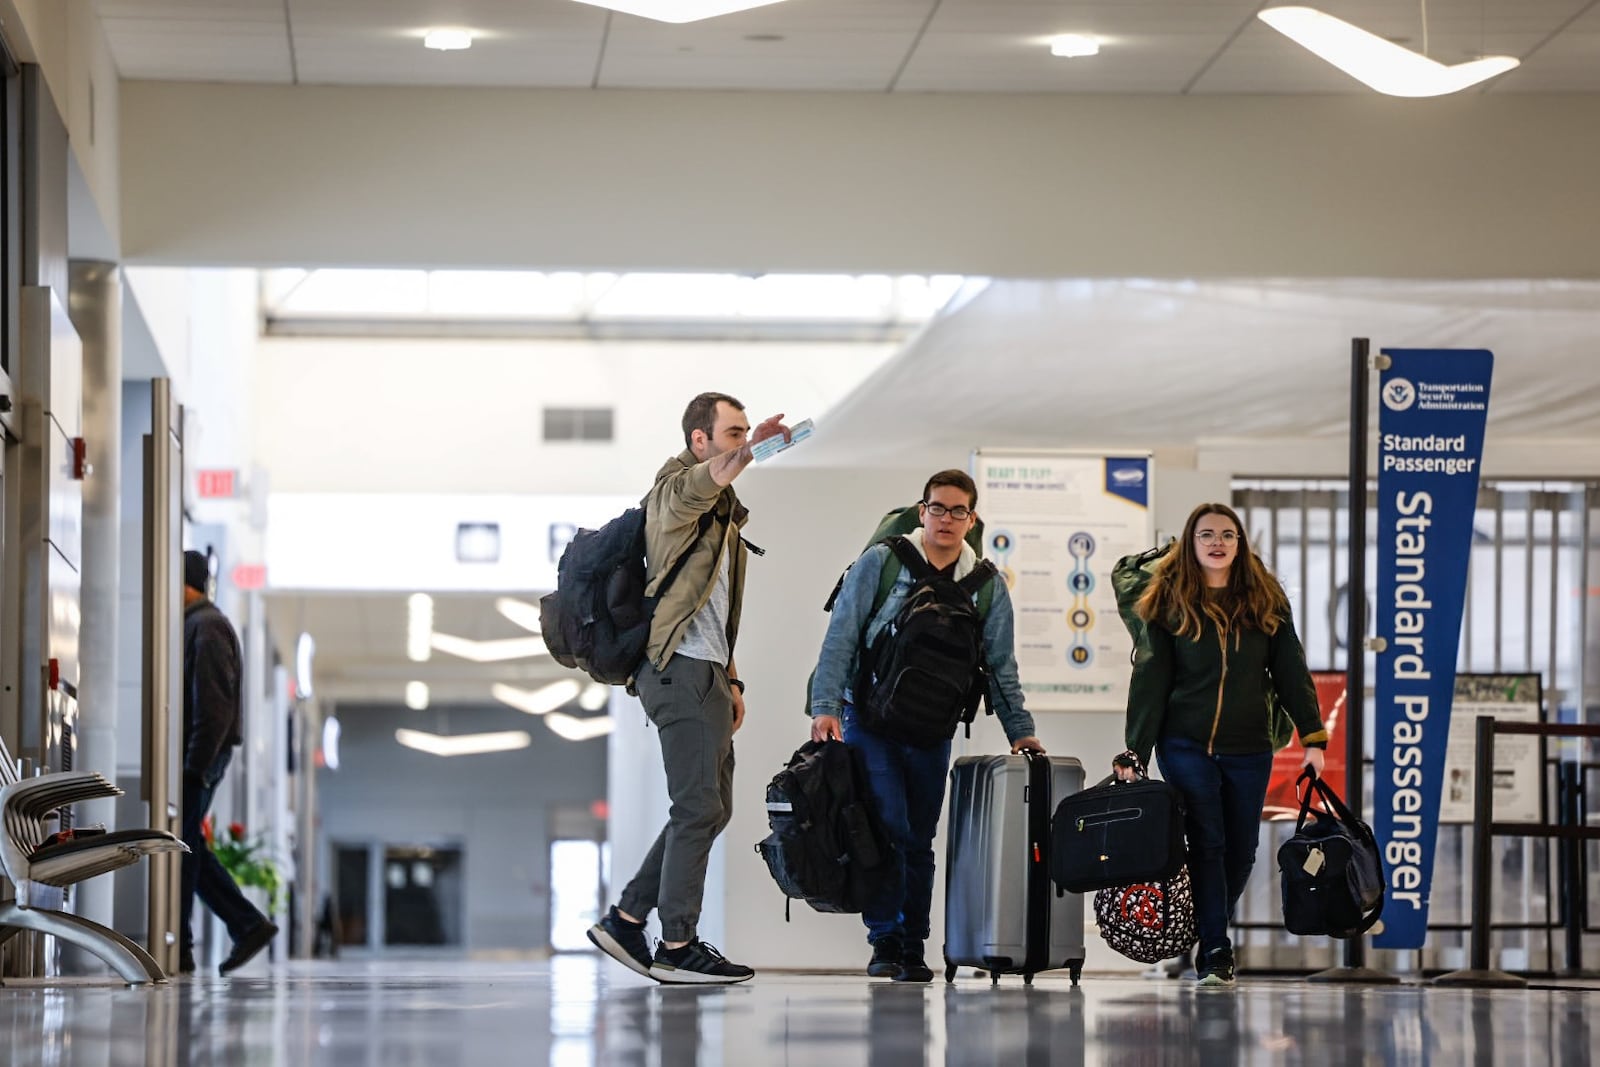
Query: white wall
x=66, y=40
x=425, y=416
x=1043, y=186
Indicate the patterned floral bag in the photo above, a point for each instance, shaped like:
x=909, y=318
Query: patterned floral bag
x=1149, y=921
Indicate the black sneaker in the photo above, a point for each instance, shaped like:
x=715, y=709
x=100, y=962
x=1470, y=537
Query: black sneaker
x=248, y=945
x=186, y=961
x=623, y=941
x=696, y=963
x=912, y=966
x=1218, y=969
x=886, y=954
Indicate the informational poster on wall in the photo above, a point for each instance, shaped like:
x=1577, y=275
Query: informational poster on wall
x=1054, y=523
x=1506, y=698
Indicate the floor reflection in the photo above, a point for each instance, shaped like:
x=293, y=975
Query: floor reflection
x=578, y=1012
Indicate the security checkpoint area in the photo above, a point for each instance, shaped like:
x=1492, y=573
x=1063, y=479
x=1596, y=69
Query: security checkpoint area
x=432, y=436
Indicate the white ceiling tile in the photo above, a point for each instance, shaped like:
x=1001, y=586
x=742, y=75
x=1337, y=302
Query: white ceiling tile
x=1151, y=46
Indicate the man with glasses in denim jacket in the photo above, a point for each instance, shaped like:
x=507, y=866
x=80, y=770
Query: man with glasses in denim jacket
x=908, y=781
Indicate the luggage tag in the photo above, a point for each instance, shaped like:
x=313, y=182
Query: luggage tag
x=1314, y=861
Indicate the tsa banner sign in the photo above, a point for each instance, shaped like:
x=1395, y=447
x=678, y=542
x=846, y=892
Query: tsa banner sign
x=1430, y=445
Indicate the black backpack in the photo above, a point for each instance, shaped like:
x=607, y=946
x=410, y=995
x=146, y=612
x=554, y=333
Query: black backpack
x=828, y=846
x=598, y=619
x=925, y=673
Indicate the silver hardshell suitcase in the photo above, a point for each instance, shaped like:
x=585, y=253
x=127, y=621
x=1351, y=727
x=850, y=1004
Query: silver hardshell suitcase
x=1001, y=912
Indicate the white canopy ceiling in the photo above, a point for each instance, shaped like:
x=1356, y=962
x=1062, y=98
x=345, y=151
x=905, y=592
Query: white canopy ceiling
x=1251, y=366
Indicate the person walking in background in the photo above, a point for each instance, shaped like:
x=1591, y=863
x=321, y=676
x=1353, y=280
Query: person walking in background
x=212, y=728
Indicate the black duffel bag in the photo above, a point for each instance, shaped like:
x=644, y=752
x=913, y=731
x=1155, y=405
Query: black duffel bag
x=1332, y=871
x=1117, y=833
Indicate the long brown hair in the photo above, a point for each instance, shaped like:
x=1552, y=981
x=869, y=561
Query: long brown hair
x=1176, y=597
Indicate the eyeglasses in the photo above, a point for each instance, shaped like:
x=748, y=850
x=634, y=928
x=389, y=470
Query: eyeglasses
x=939, y=511
x=1211, y=537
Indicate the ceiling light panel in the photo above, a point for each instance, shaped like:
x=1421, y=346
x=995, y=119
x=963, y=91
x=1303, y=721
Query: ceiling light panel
x=575, y=729
x=537, y=701
x=499, y=651
x=445, y=40
x=419, y=627
x=521, y=612
x=678, y=10
x=464, y=744
x=1381, y=64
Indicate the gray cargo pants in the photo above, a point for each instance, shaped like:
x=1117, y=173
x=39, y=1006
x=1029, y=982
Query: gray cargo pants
x=692, y=708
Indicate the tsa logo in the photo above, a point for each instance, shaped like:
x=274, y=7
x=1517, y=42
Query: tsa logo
x=1399, y=394
x=1129, y=478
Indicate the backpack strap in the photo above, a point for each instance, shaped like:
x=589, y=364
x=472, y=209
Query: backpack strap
x=903, y=555
x=707, y=520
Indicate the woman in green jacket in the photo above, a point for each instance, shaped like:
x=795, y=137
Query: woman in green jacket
x=1220, y=632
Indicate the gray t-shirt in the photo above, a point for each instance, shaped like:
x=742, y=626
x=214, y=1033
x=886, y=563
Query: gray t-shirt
x=706, y=636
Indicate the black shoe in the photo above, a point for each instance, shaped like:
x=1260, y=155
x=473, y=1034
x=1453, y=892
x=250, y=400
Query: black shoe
x=186, y=961
x=1218, y=969
x=623, y=941
x=247, y=946
x=696, y=963
x=886, y=954
x=912, y=966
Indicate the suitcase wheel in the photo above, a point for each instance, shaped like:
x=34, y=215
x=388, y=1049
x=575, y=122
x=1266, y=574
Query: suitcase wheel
x=994, y=978
x=1075, y=968
x=1027, y=979
x=949, y=971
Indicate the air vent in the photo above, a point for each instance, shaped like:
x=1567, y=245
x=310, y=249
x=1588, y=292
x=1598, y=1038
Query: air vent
x=578, y=424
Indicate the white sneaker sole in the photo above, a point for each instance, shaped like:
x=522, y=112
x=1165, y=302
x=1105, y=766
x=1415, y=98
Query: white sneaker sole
x=613, y=948
x=674, y=976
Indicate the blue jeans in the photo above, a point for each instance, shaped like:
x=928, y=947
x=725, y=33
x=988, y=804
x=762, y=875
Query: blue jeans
x=908, y=784
x=1224, y=796
x=201, y=872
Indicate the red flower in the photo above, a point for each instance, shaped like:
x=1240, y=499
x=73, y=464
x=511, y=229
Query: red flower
x=206, y=830
x=236, y=830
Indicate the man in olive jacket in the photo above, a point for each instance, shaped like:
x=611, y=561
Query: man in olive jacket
x=690, y=687
x=212, y=727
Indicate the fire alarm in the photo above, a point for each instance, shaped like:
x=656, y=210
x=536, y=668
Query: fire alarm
x=81, y=467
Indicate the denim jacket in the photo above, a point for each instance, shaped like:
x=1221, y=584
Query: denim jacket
x=853, y=626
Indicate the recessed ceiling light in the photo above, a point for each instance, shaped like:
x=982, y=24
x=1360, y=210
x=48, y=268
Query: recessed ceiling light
x=678, y=10
x=1074, y=45
x=417, y=696
x=447, y=40
x=1376, y=62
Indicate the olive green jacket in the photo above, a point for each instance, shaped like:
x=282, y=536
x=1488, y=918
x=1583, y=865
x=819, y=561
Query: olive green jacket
x=1214, y=691
x=683, y=493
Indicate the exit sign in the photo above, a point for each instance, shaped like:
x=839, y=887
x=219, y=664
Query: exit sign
x=250, y=576
x=217, y=485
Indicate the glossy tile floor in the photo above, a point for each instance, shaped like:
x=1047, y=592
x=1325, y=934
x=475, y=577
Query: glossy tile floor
x=581, y=1010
